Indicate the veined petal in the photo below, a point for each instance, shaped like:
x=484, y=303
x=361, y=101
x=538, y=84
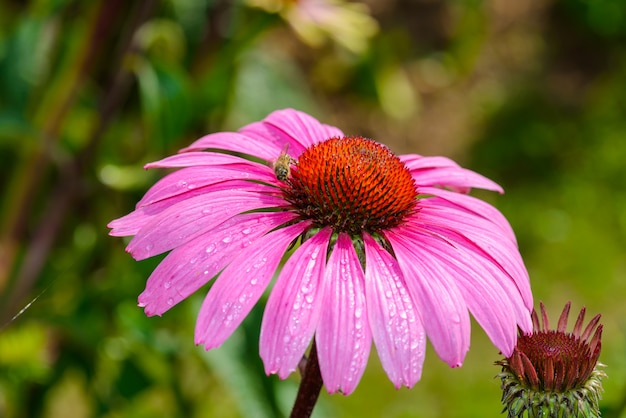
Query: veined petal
x=395, y=322
x=201, y=158
x=301, y=127
x=417, y=162
x=343, y=336
x=486, y=243
x=192, y=217
x=233, y=141
x=440, y=301
x=446, y=173
x=187, y=179
x=241, y=284
x=485, y=298
x=293, y=308
x=472, y=206
x=261, y=131
x=190, y=266
x=132, y=223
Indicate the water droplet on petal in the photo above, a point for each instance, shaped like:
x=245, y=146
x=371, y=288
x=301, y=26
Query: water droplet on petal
x=246, y=231
x=254, y=281
x=210, y=248
x=228, y=239
x=170, y=301
x=167, y=285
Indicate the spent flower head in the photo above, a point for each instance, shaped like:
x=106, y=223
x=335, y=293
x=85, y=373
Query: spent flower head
x=553, y=373
x=389, y=249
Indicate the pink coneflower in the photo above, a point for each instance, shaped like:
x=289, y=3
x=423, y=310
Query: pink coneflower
x=387, y=248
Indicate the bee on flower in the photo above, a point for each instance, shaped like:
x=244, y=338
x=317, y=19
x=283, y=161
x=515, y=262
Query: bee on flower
x=389, y=249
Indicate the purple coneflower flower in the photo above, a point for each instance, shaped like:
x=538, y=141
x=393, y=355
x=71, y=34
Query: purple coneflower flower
x=387, y=248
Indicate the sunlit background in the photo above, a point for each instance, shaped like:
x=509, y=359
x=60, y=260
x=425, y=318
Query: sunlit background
x=529, y=93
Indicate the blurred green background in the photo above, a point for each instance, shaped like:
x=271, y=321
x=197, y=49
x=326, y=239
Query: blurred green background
x=529, y=93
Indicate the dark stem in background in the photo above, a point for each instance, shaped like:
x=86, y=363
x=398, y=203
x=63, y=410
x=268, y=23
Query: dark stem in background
x=310, y=387
x=68, y=187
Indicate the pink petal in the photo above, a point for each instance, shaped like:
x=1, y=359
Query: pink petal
x=133, y=222
x=262, y=131
x=486, y=241
x=193, y=217
x=187, y=179
x=232, y=141
x=293, y=308
x=443, y=172
x=343, y=336
x=203, y=158
x=434, y=291
x=192, y=265
x=305, y=129
x=473, y=206
x=486, y=299
x=241, y=284
x=396, y=325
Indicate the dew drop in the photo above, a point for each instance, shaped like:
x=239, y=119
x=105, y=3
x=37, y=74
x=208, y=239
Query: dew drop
x=254, y=281
x=167, y=285
x=260, y=263
x=227, y=239
x=149, y=246
x=210, y=249
x=246, y=231
x=358, y=312
x=170, y=301
x=309, y=298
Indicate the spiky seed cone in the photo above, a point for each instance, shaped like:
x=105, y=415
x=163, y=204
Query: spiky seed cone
x=553, y=373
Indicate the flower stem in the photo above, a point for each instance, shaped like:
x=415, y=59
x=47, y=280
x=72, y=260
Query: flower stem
x=310, y=387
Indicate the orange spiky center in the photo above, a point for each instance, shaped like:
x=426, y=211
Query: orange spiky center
x=352, y=184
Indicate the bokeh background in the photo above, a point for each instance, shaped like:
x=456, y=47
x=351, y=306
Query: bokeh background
x=530, y=93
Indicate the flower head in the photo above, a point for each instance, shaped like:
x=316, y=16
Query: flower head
x=552, y=373
x=389, y=249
